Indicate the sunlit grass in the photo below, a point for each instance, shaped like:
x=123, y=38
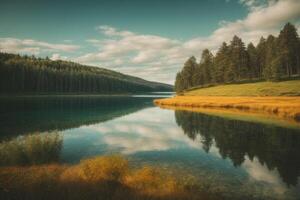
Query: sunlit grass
x=281, y=99
x=283, y=88
x=107, y=177
x=284, y=107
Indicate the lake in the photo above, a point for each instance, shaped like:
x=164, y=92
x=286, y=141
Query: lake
x=239, y=158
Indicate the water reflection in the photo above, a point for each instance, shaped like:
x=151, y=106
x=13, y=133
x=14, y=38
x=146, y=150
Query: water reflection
x=39, y=114
x=274, y=147
x=237, y=157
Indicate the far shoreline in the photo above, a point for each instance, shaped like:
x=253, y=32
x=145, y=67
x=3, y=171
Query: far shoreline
x=21, y=95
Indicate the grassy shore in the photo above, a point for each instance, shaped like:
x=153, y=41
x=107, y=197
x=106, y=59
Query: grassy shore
x=281, y=99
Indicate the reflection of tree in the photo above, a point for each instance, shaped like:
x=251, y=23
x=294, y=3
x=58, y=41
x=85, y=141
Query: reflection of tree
x=31, y=149
x=39, y=114
x=273, y=146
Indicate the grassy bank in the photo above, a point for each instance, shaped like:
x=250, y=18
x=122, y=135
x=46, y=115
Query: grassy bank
x=107, y=177
x=283, y=88
x=281, y=99
x=283, y=107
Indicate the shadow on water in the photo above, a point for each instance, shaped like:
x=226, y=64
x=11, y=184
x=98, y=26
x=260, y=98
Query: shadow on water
x=277, y=148
x=38, y=114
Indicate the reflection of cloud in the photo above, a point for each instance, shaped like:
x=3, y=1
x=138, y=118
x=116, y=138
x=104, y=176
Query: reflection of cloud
x=260, y=172
x=141, y=132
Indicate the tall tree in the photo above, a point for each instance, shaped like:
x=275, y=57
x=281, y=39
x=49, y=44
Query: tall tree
x=179, y=86
x=222, y=63
x=188, y=71
x=271, y=55
x=289, y=49
x=253, y=65
x=206, y=64
x=261, y=52
x=239, y=57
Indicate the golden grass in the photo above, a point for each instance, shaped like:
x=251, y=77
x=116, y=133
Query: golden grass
x=107, y=177
x=283, y=107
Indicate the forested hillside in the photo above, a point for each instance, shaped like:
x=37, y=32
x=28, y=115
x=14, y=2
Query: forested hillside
x=271, y=59
x=24, y=74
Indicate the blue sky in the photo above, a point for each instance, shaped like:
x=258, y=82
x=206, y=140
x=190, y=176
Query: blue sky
x=150, y=39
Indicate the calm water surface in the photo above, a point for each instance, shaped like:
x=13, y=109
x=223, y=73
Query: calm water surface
x=241, y=159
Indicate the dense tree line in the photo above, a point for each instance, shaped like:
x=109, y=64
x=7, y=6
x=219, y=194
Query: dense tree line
x=273, y=58
x=24, y=74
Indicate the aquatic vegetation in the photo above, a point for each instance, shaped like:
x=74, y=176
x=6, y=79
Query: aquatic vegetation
x=31, y=149
x=150, y=180
x=107, y=177
x=109, y=168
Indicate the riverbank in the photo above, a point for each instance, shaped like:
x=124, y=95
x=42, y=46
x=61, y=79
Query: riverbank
x=283, y=107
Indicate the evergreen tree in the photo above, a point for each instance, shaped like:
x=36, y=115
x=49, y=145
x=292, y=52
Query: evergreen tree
x=188, y=71
x=198, y=75
x=253, y=65
x=276, y=69
x=27, y=74
x=261, y=55
x=179, y=83
x=206, y=64
x=271, y=55
x=222, y=63
x=239, y=57
x=289, y=49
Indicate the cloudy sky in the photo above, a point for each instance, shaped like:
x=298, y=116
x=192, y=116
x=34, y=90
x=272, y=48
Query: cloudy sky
x=146, y=38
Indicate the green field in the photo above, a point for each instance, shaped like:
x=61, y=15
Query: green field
x=283, y=88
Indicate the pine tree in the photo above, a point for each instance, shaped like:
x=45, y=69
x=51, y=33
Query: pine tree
x=271, y=59
x=222, y=63
x=206, y=64
x=188, y=71
x=276, y=69
x=253, y=65
x=179, y=83
x=289, y=49
x=198, y=76
x=271, y=55
x=261, y=54
x=239, y=57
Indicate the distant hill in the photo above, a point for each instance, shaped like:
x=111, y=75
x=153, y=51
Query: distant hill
x=24, y=74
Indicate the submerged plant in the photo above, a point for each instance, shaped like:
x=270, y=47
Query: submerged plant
x=38, y=148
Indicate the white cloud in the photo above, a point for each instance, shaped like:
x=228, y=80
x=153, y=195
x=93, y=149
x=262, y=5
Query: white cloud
x=159, y=58
x=111, y=31
x=29, y=46
x=274, y=15
x=57, y=56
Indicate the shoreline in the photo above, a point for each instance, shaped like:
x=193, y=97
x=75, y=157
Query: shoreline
x=287, y=108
